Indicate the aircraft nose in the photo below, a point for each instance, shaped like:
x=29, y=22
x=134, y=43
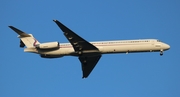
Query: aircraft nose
x=166, y=46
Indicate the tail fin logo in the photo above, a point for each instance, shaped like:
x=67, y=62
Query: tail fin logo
x=35, y=41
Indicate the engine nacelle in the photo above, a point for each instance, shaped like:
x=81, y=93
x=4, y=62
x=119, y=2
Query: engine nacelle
x=49, y=45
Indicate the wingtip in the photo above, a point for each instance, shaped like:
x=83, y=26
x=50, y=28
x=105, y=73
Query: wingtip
x=10, y=26
x=84, y=77
x=55, y=20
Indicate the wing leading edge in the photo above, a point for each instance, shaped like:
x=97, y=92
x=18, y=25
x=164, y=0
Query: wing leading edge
x=89, y=55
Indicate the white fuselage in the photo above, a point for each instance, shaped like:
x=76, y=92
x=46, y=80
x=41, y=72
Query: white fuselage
x=105, y=47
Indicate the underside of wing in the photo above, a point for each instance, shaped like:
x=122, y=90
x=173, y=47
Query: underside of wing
x=78, y=43
x=88, y=63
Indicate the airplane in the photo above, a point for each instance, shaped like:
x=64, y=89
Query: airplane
x=88, y=53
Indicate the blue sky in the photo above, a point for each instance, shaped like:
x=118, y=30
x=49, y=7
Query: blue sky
x=116, y=75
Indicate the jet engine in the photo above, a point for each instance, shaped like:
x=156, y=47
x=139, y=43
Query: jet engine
x=48, y=46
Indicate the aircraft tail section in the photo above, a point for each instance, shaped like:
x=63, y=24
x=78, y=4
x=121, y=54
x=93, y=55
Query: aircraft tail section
x=26, y=39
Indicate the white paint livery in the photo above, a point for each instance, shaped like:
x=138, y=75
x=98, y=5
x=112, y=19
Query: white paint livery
x=88, y=52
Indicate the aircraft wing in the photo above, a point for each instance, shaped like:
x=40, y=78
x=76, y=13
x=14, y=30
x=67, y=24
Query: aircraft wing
x=81, y=46
x=77, y=42
x=88, y=63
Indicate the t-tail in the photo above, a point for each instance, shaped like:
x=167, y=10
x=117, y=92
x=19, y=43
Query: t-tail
x=26, y=40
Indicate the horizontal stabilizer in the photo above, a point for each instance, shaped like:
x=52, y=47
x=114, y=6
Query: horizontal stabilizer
x=21, y=33
x=26, y=39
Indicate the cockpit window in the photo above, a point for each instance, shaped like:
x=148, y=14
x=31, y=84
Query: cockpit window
x=158, y=41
